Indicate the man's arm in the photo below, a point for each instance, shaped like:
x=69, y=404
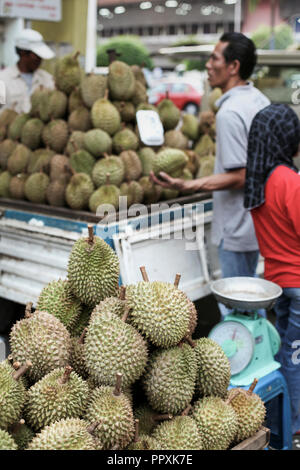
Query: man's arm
x=234, y=179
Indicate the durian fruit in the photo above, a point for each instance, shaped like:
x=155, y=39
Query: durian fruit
x=5, y=178
x=15, y=129
x=133, y=191
x=67, y=73
x=60, y=394
x=206, y=166
x=146, y=155
x=217, y=422
x=109, y=164
x=213, y=368
x=214, y=95
x=170, y=193
x=111, y=346
x=21, y=434
x=55, y=193
x=78, y=191
x=140, y=94
x=169, y=381
x=6, y=149
x=75, y=100
x=75, y=142
x=55, y=135
x=80, y=120
x=205, y=146
x=105, y=116
x=143, y=441
x=126, y=110
x=169, y=114
x=82, y=322
x=92, y=88
x=250, y=411
x=139, y=74
x=171, y=161
x=16, y=186
x=146, y=107
x=66, y=434
x=112, y=409
x=82, y=162
x=148, y=418
x=181, y=433
x=176, y=139
x=17, y=162
x=7, y=116
x=193, y=164
x=39, y=99
x=40, y=160
x=93, y=270
x=58, y=299
x=121, y=81
x=132, y=164
x=97, y=142
x=77, y=360
x=110, y=305
x=160, y=311
x=32, y=133
x=41, y=339
x=12, y=393
x=6, y=441
x=190, y=127
x=152, y=191
x=207, y=120
x=2, y=133
x=107, y=194
x=59, y=168
x=35, y=187
x=57, y=105
x=125, y=139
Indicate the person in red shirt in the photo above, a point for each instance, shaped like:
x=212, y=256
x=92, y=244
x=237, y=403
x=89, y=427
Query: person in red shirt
x=272, y=193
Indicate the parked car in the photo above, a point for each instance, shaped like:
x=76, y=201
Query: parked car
x=183, y=95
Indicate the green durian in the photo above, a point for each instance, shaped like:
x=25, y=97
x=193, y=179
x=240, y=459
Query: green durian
x=35, y=187
x=92, y=88
x=180, y=433
x=80, y=120
x=105, y=116
x=16, y=186
x=112, y=165
x=170, y=161
x=121, y=81
x=17, y=162
x=78, y=191
x=12, y=395
x=169, y=114
x=68, y=73
x=82, y=162
x=15, y=128
x=6, y=149
x=97, y=142
x=125, y=139
x=5, y=179
x=6, y=441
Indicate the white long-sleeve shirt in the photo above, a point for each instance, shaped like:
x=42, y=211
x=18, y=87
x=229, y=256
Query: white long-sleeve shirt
x=17, y=92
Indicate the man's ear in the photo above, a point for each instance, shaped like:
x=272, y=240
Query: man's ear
x=235, y=67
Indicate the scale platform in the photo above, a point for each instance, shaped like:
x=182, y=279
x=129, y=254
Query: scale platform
x=249, y=340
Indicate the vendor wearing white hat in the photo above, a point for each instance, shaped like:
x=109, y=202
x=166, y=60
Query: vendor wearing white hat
x=22, y=79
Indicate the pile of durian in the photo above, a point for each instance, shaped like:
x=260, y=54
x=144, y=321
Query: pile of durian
x=97, y=366
x=80, y=146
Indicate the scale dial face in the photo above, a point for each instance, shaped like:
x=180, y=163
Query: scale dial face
x=236, y=341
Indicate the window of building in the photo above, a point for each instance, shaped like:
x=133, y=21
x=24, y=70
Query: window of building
x=206, y=28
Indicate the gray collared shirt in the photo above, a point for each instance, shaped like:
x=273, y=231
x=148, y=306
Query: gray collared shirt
x=231, y=221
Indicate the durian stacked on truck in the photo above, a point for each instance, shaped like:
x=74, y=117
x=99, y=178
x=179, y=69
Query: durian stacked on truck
x=98, y=366
x=80, y=147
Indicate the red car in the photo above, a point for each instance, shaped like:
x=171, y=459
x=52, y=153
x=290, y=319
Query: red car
x=183, y=95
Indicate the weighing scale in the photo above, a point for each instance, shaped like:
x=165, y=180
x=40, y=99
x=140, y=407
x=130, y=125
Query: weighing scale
x=249, y=341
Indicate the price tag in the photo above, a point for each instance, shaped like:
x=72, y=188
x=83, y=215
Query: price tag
x=150, y=127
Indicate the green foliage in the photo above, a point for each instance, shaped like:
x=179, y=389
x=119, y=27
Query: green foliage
x=131, y=50
x=195, y=64
x=283, y=36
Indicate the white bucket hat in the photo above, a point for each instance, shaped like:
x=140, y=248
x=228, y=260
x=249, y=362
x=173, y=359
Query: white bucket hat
x=30, y=40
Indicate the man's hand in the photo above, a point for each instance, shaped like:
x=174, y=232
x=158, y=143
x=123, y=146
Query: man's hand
x=168, y=182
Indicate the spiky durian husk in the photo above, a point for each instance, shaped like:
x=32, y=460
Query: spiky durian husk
x=169, y=382
x=6, y=441
x=66, y=434
x=49, y=400
x=79, y=191
x=213, y=368
x=115, y=417
x=217, y=423
x=12, y=396
x=82, y=321
x=125, y=139
x=36, y=186
x=145, y=442
x=93, y=271
x=113, y=346
x=105, y=116
x=77, y=360
x=170, y=161
x=160, y=311
x=181, y=433
x=97, y=142
x=67, y=74
x=43, y=340
x=250, y=411
x=121, y=81
x=57, y=298
x=112, y=165
x=110, y=305
x=133, y=165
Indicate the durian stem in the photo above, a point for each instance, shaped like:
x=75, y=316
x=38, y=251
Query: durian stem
x=16, y=365
x=28, y=310
x=162, y=417
x=122, y=295
x=91, y=234
x=112, y=55
x=10, y=358
x=144, y=274
x=92, y=427
x=233, y=396
x=126, y=313
x=81, y=339
x=186, y=411
x=107, y=182
x=136, y=430
x=190, y=341
x=117, y=390
x=75, y=57
x=106, y=93
x=105, y=155
x=252, y=387
x=167, y=94
x=65, y=378
x=16, y=426
x=177, y=280
x=21, y=371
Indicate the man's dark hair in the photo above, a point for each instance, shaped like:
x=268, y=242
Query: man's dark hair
x=21, y=51
x=242, y=49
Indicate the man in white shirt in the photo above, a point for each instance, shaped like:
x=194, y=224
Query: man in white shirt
x=22, y=79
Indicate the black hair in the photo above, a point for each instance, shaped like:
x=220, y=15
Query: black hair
x=22, y=51
x=242, y=49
